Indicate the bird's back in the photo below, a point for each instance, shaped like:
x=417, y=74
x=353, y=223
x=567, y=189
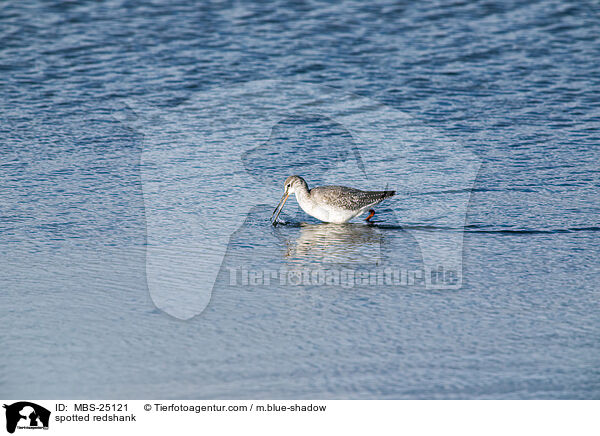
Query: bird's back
x=347, y=198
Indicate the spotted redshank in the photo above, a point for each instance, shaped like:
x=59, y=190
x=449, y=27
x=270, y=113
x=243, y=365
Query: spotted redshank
x=331, y=204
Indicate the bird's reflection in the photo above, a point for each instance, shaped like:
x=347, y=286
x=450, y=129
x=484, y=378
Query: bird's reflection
x=342, y=244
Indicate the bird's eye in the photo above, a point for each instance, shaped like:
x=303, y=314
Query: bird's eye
x=289, y=185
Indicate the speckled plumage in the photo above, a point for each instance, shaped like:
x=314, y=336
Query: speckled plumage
x=335, y=204
x=348, y=198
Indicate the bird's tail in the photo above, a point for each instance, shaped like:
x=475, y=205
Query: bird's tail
x=387, y=194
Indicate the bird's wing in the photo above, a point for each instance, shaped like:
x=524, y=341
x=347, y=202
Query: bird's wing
x=348, y=198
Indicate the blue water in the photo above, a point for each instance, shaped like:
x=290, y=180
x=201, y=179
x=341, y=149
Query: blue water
x=514, y=84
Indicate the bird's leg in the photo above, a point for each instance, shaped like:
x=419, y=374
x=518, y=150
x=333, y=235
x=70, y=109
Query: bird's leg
x=371, y=213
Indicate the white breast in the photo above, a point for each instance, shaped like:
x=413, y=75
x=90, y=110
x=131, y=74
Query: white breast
x=326, y=213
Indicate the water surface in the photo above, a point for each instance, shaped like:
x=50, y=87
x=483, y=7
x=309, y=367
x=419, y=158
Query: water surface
x=516, y=84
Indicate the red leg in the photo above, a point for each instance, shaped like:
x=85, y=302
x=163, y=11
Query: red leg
x=371, y=213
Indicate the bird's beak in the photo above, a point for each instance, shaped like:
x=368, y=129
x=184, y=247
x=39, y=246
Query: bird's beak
x=281, y=203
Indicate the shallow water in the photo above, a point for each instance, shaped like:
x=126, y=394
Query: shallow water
x=514, y=84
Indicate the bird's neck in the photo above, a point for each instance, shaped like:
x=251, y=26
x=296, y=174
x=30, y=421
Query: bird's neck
x=302, y=192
